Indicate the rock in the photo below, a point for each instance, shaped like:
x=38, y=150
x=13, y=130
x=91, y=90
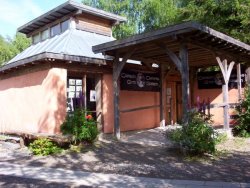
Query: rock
x=10, y=146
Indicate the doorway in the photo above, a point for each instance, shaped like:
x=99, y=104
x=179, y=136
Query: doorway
x=173, y=103
x=179, y=102
x=170, y=103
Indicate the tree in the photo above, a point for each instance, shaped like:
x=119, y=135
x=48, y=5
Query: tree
x=10, y=48
x=21, y=42
x=230, y=17
x=142, y=15
x=5, y=50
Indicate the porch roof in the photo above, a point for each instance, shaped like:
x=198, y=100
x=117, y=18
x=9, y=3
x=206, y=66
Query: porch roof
x=203, y=42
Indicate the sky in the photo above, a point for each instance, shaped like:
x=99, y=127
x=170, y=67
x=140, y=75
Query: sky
x=15, y=13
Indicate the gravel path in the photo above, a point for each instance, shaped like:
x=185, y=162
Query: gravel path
x=17, y=182
x=153, y=160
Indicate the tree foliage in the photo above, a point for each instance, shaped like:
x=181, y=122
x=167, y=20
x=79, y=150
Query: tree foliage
x=142, y=15
x=11, y=47
x=228, y=16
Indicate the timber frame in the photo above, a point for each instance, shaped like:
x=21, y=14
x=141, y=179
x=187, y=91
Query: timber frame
x=187, y=46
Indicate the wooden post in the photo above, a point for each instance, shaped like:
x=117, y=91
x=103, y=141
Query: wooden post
x=117, y=68
x=116, y=87
x=98, y=89
x=185, y=82
x=84, y=84
x=226, y=72
x=162, y=96
x=181, y=63
x=247, y=76
x=239, y=81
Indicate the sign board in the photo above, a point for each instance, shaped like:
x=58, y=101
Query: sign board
x=139, y=81
x=92, y=96
x=214, y=80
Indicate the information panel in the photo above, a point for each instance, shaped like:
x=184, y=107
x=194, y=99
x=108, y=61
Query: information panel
x=214, y=80
x=139, y=81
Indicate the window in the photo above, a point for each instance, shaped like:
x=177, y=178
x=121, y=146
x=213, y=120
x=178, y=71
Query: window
x=45, y=34
x=36, y=38
x=65, y=25
x=74, y=94
x=55, y=30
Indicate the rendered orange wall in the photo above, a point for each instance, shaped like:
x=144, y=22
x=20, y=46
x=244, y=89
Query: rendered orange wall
x=216, y=97
x=33, y=103
x=136, y=120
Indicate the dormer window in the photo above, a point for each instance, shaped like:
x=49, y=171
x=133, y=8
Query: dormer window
x=45, y=34
x=55, y=30
x=36, y=38
x=51, y=31
x=65, y=25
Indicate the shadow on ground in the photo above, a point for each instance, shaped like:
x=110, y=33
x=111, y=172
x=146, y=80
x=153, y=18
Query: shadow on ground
x=16, y=182
x=153, y=161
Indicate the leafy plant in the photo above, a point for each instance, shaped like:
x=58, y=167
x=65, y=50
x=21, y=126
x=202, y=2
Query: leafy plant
x=242, y=129
x=43, y=146
x=81, y=125
x=198, y=137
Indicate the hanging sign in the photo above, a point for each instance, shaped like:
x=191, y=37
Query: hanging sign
x=214, y=80
x=139, y=81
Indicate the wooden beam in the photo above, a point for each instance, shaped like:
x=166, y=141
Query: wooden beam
x=84, y=85
x=121, y=64
x=116, y=92
x=181, y=63
x=117, y=68
x=98, y=89
x=185, y=82
x=162, y=96
x=239, y=81
x=172, y=56
x=226, y=72
x=139, y=108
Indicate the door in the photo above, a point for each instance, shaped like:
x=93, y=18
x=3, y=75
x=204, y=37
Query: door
x=170, y=103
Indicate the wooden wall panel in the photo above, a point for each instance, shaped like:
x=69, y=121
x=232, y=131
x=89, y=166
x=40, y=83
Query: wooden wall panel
x=94, y=24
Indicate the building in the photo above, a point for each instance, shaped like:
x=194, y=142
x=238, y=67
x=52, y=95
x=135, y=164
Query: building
x=60, y=72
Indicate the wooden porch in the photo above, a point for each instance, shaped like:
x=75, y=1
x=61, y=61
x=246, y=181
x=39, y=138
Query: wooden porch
x=185, y=47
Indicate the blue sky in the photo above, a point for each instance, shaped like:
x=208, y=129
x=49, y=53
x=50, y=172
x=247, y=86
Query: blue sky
x=15, y=13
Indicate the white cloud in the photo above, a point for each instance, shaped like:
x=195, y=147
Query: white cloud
x=16, y=12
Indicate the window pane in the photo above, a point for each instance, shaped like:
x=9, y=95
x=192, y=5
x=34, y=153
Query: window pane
x=79, y=82
x=78, y=88
x=36, y=38
x=71, y=82
x=55, y=30
x=72, y=88
x=77, y=94
x=65, y=25
x=45, y=34
x=71, y=94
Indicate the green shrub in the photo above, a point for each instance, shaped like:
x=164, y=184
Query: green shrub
x=242, y=129
x=43, y=146
x=198, y=137
x=81, y=125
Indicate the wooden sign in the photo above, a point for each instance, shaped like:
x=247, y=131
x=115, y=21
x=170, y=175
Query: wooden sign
x=139, y=81
x=214, y=80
